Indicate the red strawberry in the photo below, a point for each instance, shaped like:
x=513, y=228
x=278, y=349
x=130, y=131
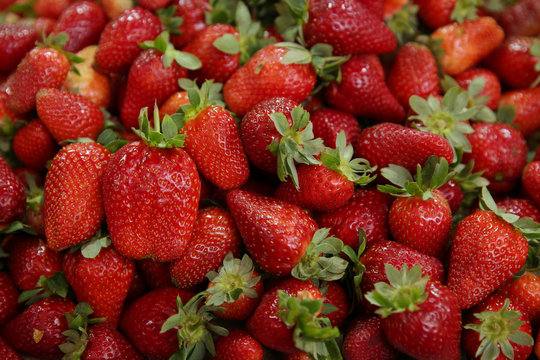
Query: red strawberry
x=522, y=18
x=527, y=107
x=365, y=339
x=525, y=290
x=521, y=207
x=34, y=145
x=37, y=331
x=192, y=13
x=7, y=352
x=375, y=6
x=68, y=116
x=453, y=194
x=18, y=39
x=156, y=274
x=328, y=123
x=106, y=341
x=50, y=8
x=154, y=4
x=238, y=345
x=214, y=235
x=73, y=208
x=537, y=346
x=9, y=306
x=492, y=87
x=414, y=72
x=531, y=180
x=437, y=13
x=363, y=92
x=335, y=295
x=119, y=41
x=12, y=195
x=173, y=103
x=162, y=225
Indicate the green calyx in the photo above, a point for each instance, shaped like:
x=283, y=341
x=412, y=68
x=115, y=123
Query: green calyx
x=297, y=143
x=497, y=329
x=234, y=278
x=199, y=97
x=404, y=293
x=57, y=42
x=535, y=51
x=321, y=260
x=46, y=287
x=465, y=10
x=356, y=269
x=194, y=328
x=293, y=14
x=156, y=137
x=341, y=161
x=431, y=176
x=170, y=22
x=77, y=336
x=170, y=54
x=312, y=334
x=470, y=182
x=404, y=23
x=34, y=194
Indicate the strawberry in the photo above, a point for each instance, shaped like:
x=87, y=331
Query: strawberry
x=238, y=345
x=404, y=314
x=12, y=195
x=50, y=8
x=18, y=39
x=391, y=7
x=222, y=160
x=494, y=326
x=522, y=18
x=527, y=109
x=7, y=352
x=37, y=331
x=363, y=91
x=335, y=295
x=531, y=180
x=437, y=13
x=521, y=207
x=73, y=209
x=142, y=320
x=388, y=143
x=376, y=7
x=365, y=339
x=537, y=346
x=492, y=86
x=467, y=44
x=83, y=21
x=34, y=145
x=113, y=8
x=119, y=42
x=328, y=123
x=106, y=341
x=214, y=235
x=130, y=180
x=156, y=274
x=192, y=13
x=453, y=194
x=173, y=103
x=414, y=72
x=475, y=268
x=236, y=288
x=525, y=290
x=9, y=306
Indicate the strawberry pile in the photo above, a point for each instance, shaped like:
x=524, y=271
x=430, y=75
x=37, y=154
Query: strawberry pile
x=298, y=179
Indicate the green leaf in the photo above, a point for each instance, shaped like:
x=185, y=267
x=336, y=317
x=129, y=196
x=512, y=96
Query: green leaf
x=228, y=44
x=169, y=128
x=187, y=60
x=172, y=322
x=92, y=248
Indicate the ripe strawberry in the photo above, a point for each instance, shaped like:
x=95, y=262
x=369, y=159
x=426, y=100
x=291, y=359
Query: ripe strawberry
x=486, y=252
x=156, y=274
x=83, y=21
x=7, y=352
x=404, y=316
x=37, y=331
x=238, y=345
x=154, y=4
x=414, y=72
x=192, y=13
x=537, y=346
x=492, y=87
x=223, y=289
x=328, y=123
x=522, y=18
x=50, y=8
x=119, y=42
x=467, y=44
x=437, y=13
x=12, y=195
x=521, y=207
x=265, y=76
x=214, y=235
x=335, y=295
x=453, y=194
x=531, y=180
x=173, y=103
x=9, y=306
x=376, y=7
x=388, y=143
x=18, y=39
x=142, y=320
x=494, y=326
x=223, y=162
x=130, y=181
x=527, y=109
x=363, y=91
x=34, y=145
x=365, y=339
x=525, y=291
x=73, y=208
x=106, y=341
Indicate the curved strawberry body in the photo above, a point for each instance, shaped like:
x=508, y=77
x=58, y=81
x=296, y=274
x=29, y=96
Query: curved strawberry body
x=106, y=341
x=453, y=194
x=151, y=197
x=18, y=39
x=238, y=345
x=492, y=88
x=193, y=14
x=12, y=195
x=525, y=291
x=527, y=104
x=335, y=294
x=9, y=306
x=521, y=207
x=327, y=123
x=34, y=145
x=365, y=340
x=7, y=352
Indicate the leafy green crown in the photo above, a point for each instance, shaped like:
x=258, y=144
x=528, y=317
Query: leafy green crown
x=156, y=137
x=170, y=54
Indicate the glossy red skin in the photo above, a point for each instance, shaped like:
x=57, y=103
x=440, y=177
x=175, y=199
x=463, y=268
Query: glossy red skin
x=12, y=195
x=348, y=26
x=265, y=324
x=453, y=195
x=9, y=306
x=155, y=274
x=388, y=143
x=46, y=315
x=153, y=4
x=435, y=13
x=486, y=252
x=34, y=145
x=375, y=6
x=335, y=294
x=50, y=8
x=216, y=64
x=414, y=72
x=275, y=233
x=119, y=42
x=264, y=77
x=492, y=89
x=40, y=68
x=525, y=291
x=363, y=91
x=238, y=345
x=18, y=39
x=328, y=123
x=148, y=82
x=147, y=178
x=193, y=14
x=83, y=21
x=365, y=339
x=367, y=209
x=531, y=180
x=522, y=18
x=500, y=151
x=258, y=131
x=495, y=302
x=29, y=259
x=433, y=331
x=72, y=202
x=105, y=342
x=102, y=282
x=424, y=225
x=214, y=236
x=527, y=103
x=520, y=207
x=7, y=352
x=213, y=141
x=69, y=116
x=142, y=321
